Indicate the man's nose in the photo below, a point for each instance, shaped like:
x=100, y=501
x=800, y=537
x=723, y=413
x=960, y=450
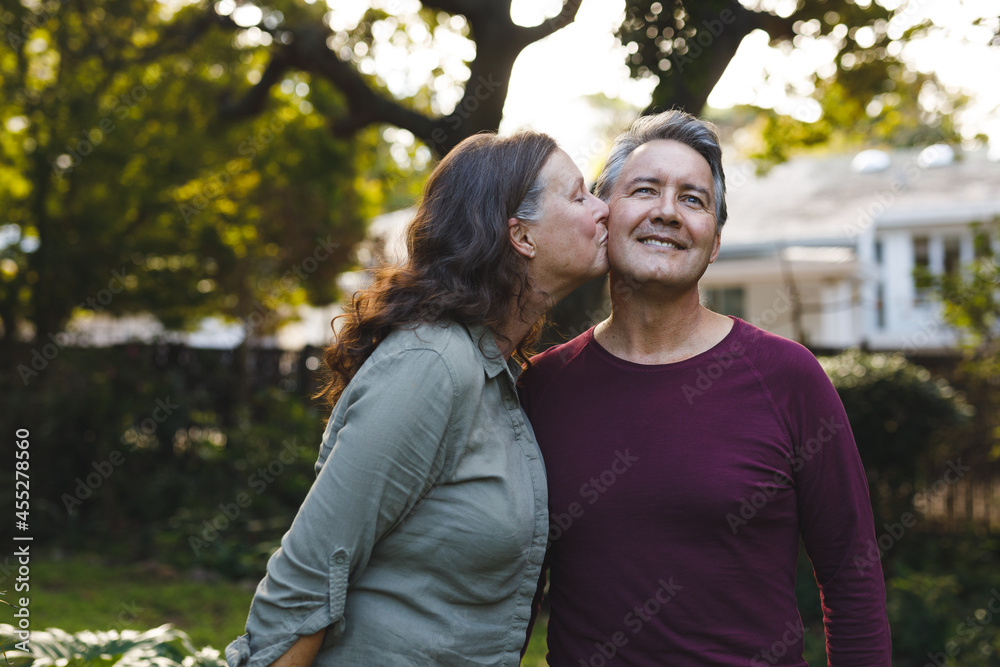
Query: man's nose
x=664, y=210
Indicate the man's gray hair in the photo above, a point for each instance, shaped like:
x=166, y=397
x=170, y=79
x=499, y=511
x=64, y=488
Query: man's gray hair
x=674, y=125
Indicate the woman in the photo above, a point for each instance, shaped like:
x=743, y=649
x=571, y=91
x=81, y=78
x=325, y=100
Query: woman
x=421, y=540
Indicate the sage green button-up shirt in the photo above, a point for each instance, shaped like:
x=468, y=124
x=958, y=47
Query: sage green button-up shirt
x=422, y=538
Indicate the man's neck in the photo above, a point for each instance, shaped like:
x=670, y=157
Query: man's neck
x=660, y=328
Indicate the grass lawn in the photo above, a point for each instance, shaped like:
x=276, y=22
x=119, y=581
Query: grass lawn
x=535, y=655
x=83, y=593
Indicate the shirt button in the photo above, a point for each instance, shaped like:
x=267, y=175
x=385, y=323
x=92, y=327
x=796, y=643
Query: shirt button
x=339, y=559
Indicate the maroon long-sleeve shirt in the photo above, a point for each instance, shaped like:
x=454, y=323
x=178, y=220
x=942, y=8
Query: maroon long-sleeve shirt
x=678, y=494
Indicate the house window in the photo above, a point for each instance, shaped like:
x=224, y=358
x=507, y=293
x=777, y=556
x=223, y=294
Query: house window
x=725, y=300
x=921, y=252
x=921, y=269
x=952, y=254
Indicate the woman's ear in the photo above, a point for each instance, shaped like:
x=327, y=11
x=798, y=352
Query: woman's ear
x=520, y=237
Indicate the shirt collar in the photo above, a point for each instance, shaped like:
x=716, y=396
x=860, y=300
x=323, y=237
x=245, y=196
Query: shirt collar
x=489, y=354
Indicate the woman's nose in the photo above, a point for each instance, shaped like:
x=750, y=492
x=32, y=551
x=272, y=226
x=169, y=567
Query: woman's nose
x=601, y=208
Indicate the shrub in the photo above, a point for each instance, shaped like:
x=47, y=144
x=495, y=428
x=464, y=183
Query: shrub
x=164, y=646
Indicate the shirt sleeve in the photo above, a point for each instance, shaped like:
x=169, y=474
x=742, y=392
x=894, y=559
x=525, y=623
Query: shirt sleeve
x=384, y=458
x=835, y=520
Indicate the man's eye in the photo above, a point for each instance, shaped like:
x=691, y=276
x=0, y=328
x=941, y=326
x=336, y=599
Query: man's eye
x=642, y=191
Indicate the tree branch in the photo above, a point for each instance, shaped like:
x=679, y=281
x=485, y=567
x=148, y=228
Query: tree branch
x=463, y=7
x=308, y=52
x=566, y=16
x=775, y=26
x=498, y=43
x=255, y=100
x=177, y=38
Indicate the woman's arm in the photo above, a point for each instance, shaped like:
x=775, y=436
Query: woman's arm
x=383, y=458
x=303, y=652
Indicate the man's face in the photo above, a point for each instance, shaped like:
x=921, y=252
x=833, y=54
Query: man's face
x=662, y=227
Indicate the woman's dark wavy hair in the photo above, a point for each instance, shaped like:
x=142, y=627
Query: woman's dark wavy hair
x=460, y=263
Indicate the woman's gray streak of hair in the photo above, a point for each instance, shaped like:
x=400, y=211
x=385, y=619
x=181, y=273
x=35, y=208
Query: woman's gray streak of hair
x=672, y=125
x=530, y=208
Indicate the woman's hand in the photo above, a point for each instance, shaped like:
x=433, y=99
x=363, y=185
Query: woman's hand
x=303, y=652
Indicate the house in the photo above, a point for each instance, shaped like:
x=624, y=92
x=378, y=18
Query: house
x=823, y=250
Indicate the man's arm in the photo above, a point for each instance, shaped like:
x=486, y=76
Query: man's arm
x=837, y=526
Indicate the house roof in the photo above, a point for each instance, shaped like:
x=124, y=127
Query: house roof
x=811, y=200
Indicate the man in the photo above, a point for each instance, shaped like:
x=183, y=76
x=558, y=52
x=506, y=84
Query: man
x=688, y=452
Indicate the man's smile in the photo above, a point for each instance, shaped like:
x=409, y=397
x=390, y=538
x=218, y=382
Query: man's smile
x=662, y=242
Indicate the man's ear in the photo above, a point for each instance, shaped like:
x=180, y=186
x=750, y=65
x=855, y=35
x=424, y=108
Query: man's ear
x=715, y=247
x=520, y=237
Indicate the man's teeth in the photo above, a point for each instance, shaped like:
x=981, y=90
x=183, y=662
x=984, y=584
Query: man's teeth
x=661, y=244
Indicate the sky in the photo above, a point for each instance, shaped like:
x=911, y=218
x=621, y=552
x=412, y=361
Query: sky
x=584, y=58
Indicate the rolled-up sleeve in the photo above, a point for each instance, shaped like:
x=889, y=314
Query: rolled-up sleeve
x=386, y=454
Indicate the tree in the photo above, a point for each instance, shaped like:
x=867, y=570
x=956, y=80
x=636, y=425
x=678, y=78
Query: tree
x=867, y=93
x=123, y=191
x=331, y=55
x=686, y=46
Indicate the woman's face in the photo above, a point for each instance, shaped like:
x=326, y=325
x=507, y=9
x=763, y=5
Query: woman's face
x=571, y=233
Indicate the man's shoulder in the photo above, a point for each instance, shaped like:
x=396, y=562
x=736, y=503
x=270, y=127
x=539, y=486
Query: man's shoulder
x=775, y=355
x=558, y=356
x=547, y=366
